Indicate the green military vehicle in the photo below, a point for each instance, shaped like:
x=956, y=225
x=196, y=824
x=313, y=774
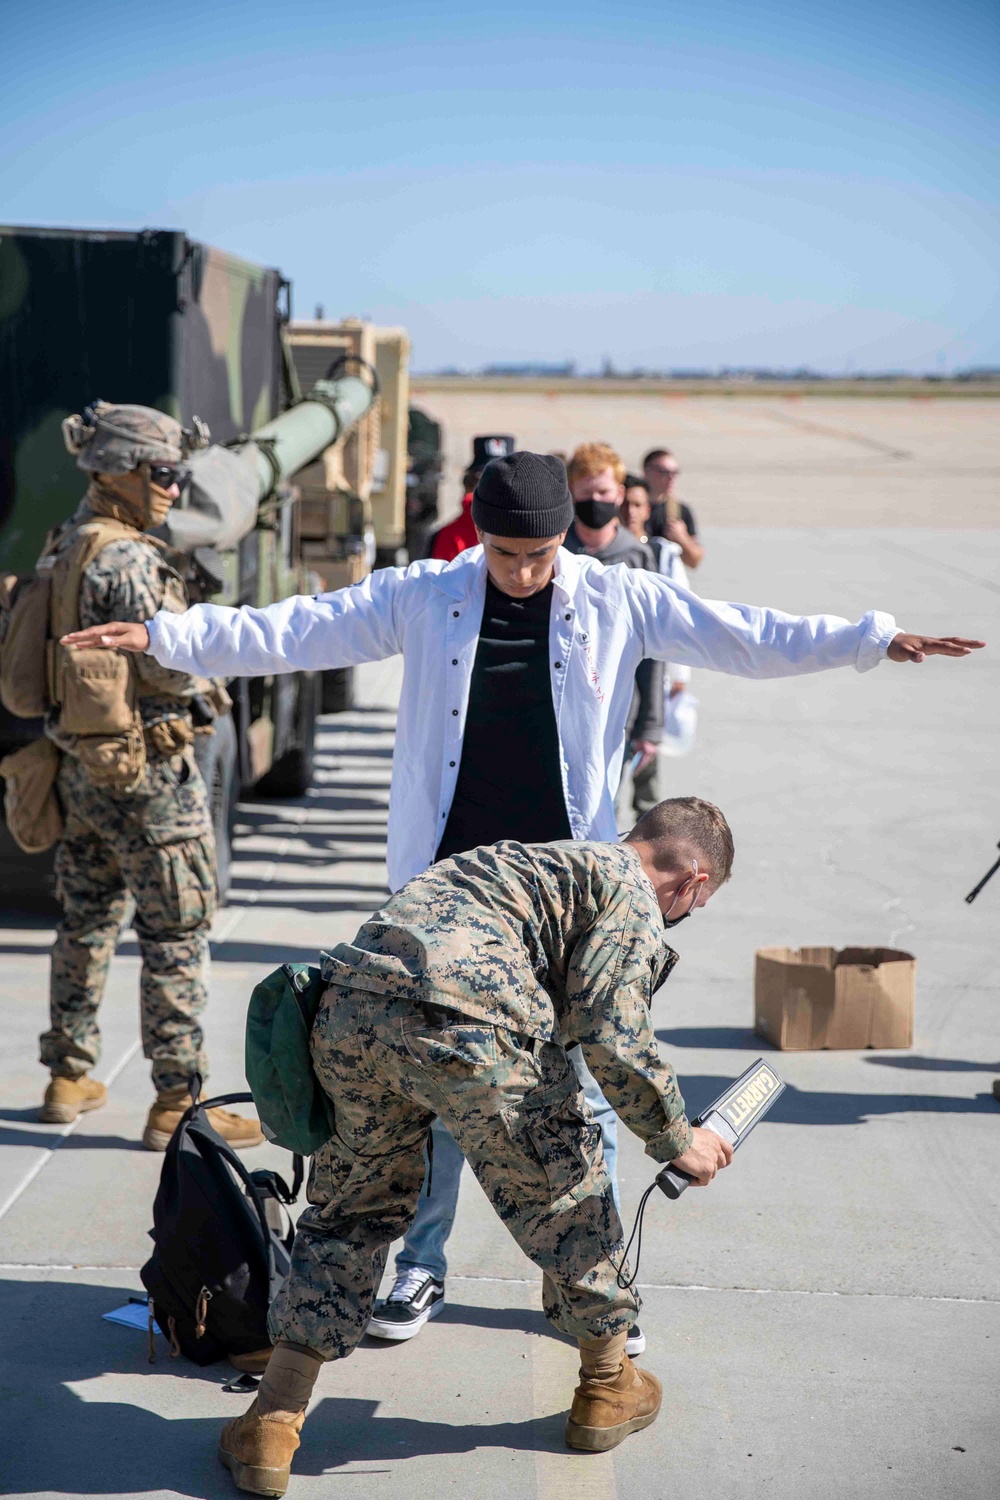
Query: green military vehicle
x=157, y=319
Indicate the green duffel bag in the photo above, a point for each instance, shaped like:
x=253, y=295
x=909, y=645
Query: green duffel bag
x=293, y=1109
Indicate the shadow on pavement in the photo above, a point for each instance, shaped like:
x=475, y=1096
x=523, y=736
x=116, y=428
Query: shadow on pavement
x=51, y=1136
x=69, y=1441
x=935, y=1064
x=294, y=902
x=294, y=881
x=519, y=1319
x=328, y=755
x=34, y=917
x=57, y=1440
x=735, y=1038
x=817, y=1107
x=340, y=1431
x=231, y=952
x=318, y=838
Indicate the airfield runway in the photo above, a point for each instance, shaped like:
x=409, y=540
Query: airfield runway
x=777, y=459
x=825, y=1318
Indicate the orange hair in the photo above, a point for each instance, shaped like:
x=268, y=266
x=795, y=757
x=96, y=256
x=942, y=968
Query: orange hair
x=591, y=459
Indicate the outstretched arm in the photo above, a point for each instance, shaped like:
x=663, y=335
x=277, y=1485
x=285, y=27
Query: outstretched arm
x=298, y=634
x=748, y=641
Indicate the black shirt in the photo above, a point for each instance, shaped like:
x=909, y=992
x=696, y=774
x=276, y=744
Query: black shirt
x=509, y=781
x=657, y=524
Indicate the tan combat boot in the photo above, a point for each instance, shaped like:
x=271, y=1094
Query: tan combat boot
x=258, y=1451
x=258, y=1447
x=165, y=1116
x=65, y=1098
x=605, y=1411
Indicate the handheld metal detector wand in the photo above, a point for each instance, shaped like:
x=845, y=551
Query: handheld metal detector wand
x=733, y=1115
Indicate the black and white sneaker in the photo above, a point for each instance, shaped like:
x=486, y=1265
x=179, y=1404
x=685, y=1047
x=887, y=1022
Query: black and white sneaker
x=636, y=1342
x=415, y=1297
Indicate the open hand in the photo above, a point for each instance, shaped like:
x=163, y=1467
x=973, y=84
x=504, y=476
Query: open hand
x=117, y=635
x=707, y=1154
x=914, y=648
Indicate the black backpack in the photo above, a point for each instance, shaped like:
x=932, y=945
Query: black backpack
x=218, y=1259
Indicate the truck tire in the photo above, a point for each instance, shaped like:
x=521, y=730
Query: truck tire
x=218, y=762
x=292, y=773
x=338, y=690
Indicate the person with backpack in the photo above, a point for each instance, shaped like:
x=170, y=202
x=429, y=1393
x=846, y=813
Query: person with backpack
x=519, y=664
x=136, y=823
x=459, y=998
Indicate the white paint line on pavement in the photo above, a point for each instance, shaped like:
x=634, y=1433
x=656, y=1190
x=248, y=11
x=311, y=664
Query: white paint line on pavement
x=38, y=1265
x=564, y=1475
x=64, y=1134
x=647, y=1286
x=753, y=1291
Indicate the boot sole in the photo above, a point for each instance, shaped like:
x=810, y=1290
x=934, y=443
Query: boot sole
x=600, y=1439
x=252, y=1479
x=65, y=1114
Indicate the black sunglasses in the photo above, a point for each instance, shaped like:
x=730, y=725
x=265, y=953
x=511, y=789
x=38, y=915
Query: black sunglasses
x=164, y=475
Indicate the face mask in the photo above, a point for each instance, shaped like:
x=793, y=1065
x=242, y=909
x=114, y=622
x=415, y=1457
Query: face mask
x=595, y=513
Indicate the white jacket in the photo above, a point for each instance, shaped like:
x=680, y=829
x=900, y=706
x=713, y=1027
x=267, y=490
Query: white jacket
x=668, y=558
x=604, y=621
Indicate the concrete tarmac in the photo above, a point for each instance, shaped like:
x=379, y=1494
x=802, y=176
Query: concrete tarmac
x=825, y=1317
x=756, y=458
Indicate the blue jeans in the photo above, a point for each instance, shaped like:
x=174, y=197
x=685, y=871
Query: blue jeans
x=425, y=1240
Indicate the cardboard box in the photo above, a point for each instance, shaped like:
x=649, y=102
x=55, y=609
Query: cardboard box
x=809, y=998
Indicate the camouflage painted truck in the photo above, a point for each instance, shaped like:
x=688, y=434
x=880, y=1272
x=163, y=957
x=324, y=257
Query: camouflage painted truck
x=158, y=319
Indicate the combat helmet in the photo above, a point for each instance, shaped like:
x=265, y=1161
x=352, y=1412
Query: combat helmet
x=111, y=439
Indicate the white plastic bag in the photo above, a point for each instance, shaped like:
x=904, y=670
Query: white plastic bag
x=680, y=723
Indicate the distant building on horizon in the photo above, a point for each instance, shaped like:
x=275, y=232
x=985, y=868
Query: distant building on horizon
x=547, y=371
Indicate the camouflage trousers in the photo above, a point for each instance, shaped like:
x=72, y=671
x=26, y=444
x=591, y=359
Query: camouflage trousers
x=517, y=1112
x=154, y=847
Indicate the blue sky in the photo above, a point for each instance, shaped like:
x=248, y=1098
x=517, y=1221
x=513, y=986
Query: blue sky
x=678, y=184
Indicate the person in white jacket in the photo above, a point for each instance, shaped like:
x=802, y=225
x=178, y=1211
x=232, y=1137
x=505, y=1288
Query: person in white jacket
x=519, y=662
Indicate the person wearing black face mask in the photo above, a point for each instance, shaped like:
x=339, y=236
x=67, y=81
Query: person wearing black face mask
x=597, y=484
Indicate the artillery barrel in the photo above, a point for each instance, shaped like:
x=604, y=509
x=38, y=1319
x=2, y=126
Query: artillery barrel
x=227, y=485
x=298, y=436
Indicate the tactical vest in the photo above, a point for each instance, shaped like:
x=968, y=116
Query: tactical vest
x=94, y=690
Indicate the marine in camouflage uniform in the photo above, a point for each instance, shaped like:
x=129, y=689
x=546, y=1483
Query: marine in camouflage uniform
x=458, y=999
x=153, y=844
x=147, y=851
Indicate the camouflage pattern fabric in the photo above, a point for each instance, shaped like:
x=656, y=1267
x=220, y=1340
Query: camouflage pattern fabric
x=130, y=580
x=114, y=439
x=515, y=1108
x=561, y=942
x=154, y=844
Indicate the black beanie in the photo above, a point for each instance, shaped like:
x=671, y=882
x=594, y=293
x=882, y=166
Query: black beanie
x=524, y=495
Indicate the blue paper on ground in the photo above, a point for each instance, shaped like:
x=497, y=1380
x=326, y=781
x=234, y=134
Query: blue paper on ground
x=132, y=1315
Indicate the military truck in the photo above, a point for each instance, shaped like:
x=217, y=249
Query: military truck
x=156, y=318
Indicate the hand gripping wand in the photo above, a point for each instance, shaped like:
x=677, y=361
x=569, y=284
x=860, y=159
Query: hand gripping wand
x=733, y=1115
